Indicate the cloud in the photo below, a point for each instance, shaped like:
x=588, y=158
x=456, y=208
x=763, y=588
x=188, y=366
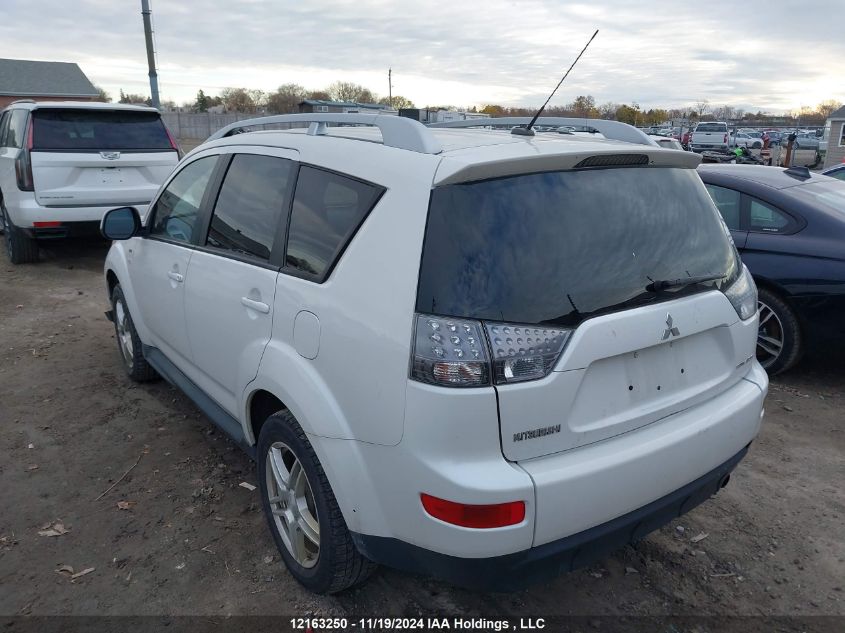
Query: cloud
x=512, y=52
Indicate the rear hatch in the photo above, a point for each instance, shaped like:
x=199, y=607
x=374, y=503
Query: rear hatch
x=710, y=134
x=579, y=258
x=99, y=157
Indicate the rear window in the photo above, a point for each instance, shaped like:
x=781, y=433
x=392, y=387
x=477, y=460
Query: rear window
x=83, y=130
x=711, y=127
x=829, y=194
x=560, y=247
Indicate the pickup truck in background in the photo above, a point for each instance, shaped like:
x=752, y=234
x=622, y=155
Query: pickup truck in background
x=709, y=136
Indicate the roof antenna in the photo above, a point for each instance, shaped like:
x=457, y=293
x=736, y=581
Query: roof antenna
x=527, y=131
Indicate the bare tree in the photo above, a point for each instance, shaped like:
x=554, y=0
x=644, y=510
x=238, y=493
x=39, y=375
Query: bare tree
x=241, y=99
x=826, y=108
x=286, y=98
x=348, y=91
x=102, y=95
x=701, y=107
x=608, y=110
x=399, y=102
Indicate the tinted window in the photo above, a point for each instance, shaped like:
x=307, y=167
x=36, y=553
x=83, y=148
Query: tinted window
x=727, y=201
x=839, y=174
x=17, y=129
x=57, y=129
x=249, y=206
x=562, y=246
x=766, y=218
x=711, y=127
x=327, y=210
x=175, y=212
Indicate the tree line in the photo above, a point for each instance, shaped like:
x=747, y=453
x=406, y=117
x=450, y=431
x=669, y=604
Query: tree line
x=287, y=97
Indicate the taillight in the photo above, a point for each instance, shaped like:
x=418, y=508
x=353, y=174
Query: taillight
x=456, y=353
x=450, y=352
x=474, y=516
x=524, y=352
x=726, y=139
x=23, y=163
x=742, y=294
x=173, y=143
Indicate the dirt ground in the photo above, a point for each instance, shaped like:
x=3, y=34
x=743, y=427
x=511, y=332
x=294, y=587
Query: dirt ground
x=179, y=535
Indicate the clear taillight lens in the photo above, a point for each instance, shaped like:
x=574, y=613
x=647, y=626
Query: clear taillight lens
x=742, y=294
x=524, y=352
x=450, y=352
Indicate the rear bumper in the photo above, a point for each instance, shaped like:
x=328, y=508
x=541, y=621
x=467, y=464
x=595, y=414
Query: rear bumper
x=62, y=230
x=515, y=571
x=26, y=211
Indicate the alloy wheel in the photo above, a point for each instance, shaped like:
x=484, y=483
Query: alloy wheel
x=769, y=336
x=124, y=333
x=292, y=505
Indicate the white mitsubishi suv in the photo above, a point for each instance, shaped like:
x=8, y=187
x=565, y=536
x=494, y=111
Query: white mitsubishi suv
x=481, y=356
x=63, y=164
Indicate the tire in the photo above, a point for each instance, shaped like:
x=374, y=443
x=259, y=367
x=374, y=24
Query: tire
x=128, y=342
x=779, y=340
x=19, y=248
x=305, y=502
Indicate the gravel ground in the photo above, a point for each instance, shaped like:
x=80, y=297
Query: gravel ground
x=179, y=535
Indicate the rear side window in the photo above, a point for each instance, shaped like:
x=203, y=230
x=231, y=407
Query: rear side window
x=84, y=130
x=251, y=201
x=728, y=203
x=766, y=218
x=560, y=247
x=327, y=210
x=175, y=212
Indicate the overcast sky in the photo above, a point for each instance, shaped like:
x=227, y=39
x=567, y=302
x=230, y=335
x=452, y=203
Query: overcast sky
x=769, y=54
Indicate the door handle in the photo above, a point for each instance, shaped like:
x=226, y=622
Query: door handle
x=258, y=306
x=176, y=276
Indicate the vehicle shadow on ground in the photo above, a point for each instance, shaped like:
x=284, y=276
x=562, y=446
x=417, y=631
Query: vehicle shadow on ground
x=81, y=253
x=823, y=368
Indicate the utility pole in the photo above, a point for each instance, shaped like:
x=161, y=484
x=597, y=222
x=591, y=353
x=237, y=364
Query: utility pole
x=151, y=60
x=390, y=87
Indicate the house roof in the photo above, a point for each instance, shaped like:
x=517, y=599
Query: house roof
x=838, y=114
x=27, y=78
x=345, y=104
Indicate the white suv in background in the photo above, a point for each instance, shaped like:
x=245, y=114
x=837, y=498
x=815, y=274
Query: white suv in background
x=476, y=355
x=65, y=163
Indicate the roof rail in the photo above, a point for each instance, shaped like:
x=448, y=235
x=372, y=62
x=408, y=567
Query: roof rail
x=22, y=101
x=396, y=131
x=610, y=129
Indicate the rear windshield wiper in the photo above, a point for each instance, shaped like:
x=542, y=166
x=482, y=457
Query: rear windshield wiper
x=658, y=285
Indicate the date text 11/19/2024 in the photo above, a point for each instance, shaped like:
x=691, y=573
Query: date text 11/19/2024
x=418, y=624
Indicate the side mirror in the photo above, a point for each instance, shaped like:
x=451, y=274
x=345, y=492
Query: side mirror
x=121, y=223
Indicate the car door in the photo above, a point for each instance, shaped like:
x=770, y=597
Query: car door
x=230, y=292
x=158, y=261
x=729, y=203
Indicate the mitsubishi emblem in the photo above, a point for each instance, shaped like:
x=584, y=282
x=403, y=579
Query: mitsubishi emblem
x=110, y=155
x=670, y=331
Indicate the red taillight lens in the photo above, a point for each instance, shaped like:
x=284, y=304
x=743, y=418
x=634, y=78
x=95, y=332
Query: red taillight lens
x=173, y=142
x=474, y=516
x=46, y=225
x=726, y=138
